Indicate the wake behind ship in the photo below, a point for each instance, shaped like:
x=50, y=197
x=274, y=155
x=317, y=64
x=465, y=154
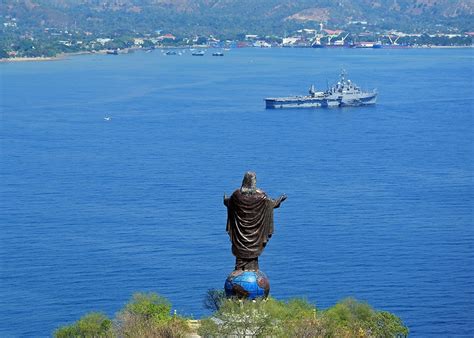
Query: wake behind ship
x=343, y=94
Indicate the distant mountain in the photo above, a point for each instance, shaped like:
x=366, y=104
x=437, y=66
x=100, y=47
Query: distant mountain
x=224, y=17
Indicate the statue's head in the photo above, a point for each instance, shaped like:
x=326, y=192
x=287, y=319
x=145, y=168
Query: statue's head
x=249, y=183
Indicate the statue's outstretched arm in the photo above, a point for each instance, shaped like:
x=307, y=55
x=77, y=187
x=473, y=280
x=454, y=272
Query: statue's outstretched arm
x=279, y=200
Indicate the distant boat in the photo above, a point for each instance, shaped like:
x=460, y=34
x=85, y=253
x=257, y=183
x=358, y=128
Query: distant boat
x=170, y=52
x=198, y=53
x=112, y=52
x=395, y=46
x=364, y=44
x=107, y=118
x=217, y=54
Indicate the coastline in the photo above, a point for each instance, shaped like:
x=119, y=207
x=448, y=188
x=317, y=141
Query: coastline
x=63, y=56
x=29, y=59
x=58, y=57
x=446, y=47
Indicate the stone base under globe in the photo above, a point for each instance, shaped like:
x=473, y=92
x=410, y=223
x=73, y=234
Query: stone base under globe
x=247, y=284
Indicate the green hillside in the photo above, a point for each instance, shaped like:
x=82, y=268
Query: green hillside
x=230, y=17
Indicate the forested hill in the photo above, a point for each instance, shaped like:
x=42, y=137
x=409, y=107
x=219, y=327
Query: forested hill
x=228, y=17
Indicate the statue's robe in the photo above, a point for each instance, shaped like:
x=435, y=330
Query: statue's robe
x=249, y=223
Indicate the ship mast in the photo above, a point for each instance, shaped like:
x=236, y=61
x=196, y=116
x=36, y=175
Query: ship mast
x=343, y=75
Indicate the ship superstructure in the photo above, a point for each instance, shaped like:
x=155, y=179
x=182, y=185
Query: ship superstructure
x=343, y=93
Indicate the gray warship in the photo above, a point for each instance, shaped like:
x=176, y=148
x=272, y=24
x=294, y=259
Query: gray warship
x=342, y=94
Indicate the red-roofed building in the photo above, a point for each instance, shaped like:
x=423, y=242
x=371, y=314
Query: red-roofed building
x=166, y=37
x=331, y=32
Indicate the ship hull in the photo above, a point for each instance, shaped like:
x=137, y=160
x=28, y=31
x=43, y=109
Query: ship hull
x=310, y=102
x=362, y=100
x=293, y=102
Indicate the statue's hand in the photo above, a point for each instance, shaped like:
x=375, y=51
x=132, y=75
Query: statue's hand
x=277, y=202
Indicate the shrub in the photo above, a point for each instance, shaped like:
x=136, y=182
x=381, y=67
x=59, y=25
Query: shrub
x=91, y=325
x=351, y=318
x=389, y=325
x=148, y=315
x=298, y=318
x=149, y=306
x=257, y=318
x=213, y=299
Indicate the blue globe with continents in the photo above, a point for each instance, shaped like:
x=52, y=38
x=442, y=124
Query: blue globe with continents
x=247, y=284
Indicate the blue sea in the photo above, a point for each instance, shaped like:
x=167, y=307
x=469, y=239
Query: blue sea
x=113, y=170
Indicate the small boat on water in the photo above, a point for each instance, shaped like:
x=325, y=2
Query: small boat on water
x=198, y=53
x=217, y=54
x=170, y=52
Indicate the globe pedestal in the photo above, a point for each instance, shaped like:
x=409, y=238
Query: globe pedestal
x=245, y=284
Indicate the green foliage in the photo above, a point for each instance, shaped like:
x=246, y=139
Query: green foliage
x=231, y=17
x=213, y=299
x=48, y=28
x=298, y=318
x=240, y=318
x=387, y=324
x=149, y=315
x=146, y=315
x=149, y=306
x=351, y=318
x=201, y=40
x=148, y=44
x=258, y=318
x=91, y=325
x=3, y=53
x=119, y=43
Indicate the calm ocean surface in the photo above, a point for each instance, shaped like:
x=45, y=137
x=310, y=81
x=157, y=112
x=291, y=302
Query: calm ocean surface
x=380, y=199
